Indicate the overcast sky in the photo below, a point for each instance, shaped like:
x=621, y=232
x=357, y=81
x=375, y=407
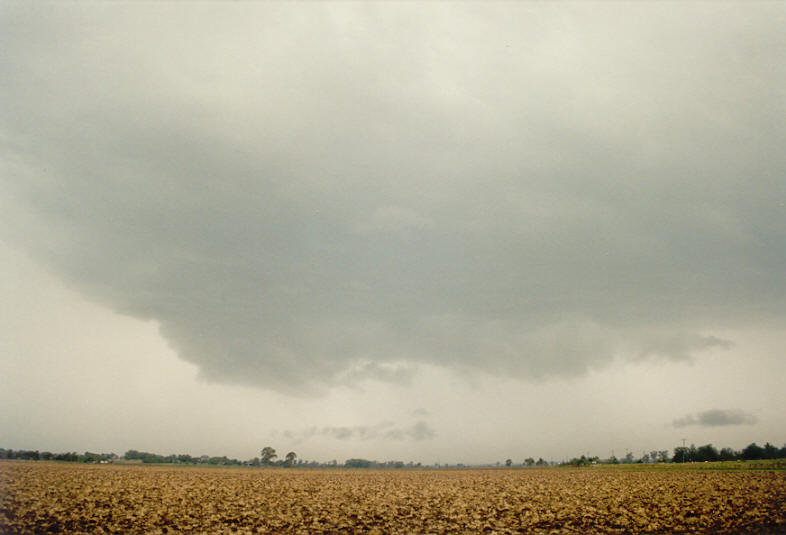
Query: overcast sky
x=429, y=232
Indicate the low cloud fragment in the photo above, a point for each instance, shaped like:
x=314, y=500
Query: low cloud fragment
x=681, y=345
x=384, y=430
x=421, y=431
x=716, y=418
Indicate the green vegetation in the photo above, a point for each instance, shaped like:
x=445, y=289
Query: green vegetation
x=707, y=456
x=758, y=464
x=689, y=455
x=74, y=457
x=708, y=453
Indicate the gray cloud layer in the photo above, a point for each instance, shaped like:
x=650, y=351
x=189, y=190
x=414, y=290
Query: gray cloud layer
x=384, y=430
x=716, y=417
x=305, y=196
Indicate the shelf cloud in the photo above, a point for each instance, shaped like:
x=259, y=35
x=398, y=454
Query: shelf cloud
x=309, y=197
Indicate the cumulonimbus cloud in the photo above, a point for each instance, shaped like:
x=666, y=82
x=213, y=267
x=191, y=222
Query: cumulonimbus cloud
x=486, y=199
x=716, y=418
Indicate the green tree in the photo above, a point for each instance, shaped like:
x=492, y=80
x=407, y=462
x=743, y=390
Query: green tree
x=529, y=461
x=290, y=458
x=680, y=454
x=770, y=451
x=357, y=463
x=753, y=451
x=267, y=455
x=707, y=453
x=727, y=454
x=508, y=462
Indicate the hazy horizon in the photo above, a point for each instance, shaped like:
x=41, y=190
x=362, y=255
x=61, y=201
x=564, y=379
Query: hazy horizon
x=452, y=233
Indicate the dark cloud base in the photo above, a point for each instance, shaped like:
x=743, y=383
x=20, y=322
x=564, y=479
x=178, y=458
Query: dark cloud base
x=488, y=194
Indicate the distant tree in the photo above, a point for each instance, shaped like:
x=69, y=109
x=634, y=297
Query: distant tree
x=28, y=455
x=770, y=451
x=267, y=455
x=152, y=458
x=752, y=451
x=707, y=453
x=541, y=462
x=727, y=454
x=290, y=458
x=357, y=463
x=680, y=455
x=508, y=462
x=529, y=461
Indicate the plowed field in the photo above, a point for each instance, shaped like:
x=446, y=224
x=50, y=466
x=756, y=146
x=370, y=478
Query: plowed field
x=38, y=497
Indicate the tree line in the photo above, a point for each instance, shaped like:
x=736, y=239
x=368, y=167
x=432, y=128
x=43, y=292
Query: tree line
x=689, y=454
x=269, y=458
x=35, y=455
x=710, y=453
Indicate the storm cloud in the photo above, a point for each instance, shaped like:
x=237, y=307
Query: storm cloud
x=306, y=196
x=716, y=417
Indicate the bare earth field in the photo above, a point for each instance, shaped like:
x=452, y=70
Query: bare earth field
x=40, y=497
